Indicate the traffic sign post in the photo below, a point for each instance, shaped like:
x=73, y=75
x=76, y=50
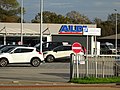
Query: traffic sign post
x=77, y=48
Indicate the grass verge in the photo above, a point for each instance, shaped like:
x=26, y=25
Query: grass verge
x=92, y=80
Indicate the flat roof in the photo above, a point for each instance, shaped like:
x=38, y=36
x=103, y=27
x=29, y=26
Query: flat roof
x=33, y=28
x=110, y=37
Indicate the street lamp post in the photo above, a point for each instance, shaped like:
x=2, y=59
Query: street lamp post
x=21, y=22
x=116, y=31
x=41, y=23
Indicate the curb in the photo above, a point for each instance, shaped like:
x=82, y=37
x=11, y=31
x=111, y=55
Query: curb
x=26, y=84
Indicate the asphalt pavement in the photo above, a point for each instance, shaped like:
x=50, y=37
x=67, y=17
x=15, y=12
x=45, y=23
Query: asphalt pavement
x=31, y=78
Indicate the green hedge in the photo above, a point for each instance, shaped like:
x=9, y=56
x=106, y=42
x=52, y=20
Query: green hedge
x=92, y=80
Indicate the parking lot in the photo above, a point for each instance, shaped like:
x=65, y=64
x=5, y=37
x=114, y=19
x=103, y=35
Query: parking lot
x=50, y=76
x=58, y=71
x=50, y=72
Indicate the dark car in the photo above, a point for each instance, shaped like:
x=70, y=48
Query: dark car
x=107, y=48
x=5, y=48
x=48, y=46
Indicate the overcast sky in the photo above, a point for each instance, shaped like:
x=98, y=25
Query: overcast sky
x=90, y=8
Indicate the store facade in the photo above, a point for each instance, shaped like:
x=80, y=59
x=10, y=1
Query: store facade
x=10, y=33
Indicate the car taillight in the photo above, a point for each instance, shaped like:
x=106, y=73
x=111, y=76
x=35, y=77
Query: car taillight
x=40, y=53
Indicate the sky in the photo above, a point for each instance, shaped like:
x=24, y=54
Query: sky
x=90, y=8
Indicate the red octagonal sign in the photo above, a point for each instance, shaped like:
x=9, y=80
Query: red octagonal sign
x=76, y=47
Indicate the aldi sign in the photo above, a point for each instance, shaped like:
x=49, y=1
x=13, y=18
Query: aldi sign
x=70, y=29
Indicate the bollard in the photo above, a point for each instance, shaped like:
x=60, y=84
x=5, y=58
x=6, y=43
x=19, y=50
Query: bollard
x=71, y=66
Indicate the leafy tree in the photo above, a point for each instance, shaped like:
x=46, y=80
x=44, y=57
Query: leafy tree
x=50, y=17
x=73, y=17
x=97, y=21
x=9, y=11
x=77, y=18
x=107, y=28
x=112, y=17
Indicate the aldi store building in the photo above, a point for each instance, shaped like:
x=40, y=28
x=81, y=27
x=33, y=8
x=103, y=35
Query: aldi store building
x=10, y=33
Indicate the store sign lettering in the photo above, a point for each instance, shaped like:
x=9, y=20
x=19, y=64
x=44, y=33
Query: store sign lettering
x=70, y=29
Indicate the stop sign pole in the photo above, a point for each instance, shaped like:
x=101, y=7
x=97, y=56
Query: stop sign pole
x=77, y=48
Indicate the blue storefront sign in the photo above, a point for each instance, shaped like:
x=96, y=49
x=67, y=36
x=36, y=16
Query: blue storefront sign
x=71, y=29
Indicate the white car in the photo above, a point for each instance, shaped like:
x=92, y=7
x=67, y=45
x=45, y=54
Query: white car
x=21, y=55
x=62, y=51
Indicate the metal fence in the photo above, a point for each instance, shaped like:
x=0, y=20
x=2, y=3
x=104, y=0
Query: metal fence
x=96, y=66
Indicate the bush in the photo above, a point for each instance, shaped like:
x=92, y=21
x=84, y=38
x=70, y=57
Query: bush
x=92, y=80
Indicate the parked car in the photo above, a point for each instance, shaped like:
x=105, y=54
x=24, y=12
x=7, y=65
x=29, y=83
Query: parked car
x=3, y=46
x=6, y=48
x=62, y=51
x=21, y=55
x=47, y=46
x=116, y=67
x=107, y=48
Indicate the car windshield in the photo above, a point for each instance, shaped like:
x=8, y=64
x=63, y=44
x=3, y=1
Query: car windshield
x=5, y=49
x=37, y=45
x=10, y=50
x=2, y=46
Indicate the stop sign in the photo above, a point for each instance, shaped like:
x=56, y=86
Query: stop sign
x=76, y=47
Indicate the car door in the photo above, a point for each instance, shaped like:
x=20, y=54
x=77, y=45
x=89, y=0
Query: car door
x=15, y=55
x=58, y=52
x=67, y=51
x=21, y=55
x=62, y=51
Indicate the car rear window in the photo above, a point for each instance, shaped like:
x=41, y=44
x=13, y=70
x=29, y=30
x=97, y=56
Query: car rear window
x=67, y=48
x=63, y=48
x=23, y=50
x=6, y=49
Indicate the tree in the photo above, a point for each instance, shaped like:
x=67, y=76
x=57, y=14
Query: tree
x=112, y=19
x=97, y=21
x=72, y=17
x=107, y=28
x=9, y=11
x=50, y=17
x=77, y=18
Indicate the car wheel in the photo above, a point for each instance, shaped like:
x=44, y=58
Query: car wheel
x=50, y=58
x=3, y=62
x=35, y=62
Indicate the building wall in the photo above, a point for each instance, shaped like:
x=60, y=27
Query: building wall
x=74, y=38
